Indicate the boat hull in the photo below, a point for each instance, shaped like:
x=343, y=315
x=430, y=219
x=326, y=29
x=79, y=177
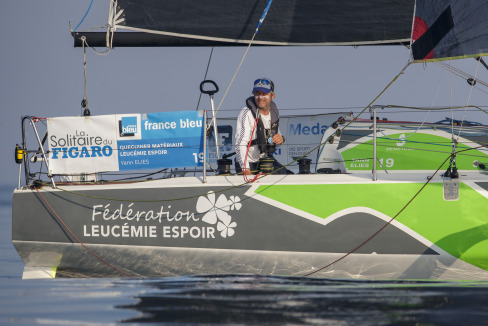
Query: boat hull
x=340, y=226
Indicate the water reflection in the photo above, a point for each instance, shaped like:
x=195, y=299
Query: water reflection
x=240, y=299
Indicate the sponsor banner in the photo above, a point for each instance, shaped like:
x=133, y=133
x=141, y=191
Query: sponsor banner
x=125, y=142
x=302, y=135
x=212, y=218
x=161, y=140
x=82, y=144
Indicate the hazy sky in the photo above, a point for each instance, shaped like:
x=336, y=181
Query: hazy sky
x=42, y=74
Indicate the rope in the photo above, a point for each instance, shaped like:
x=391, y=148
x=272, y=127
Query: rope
x=198, y=195
x=85, y=95
x=101, y=53
x=383, y=227
x=469, y=99
x=205, y=77
x=78, y=240
x=450, y=94
x=461, y=74
x=247, y=151
x=394, y=217
x=235, y=74
x=147, y=200
x=431, y=105
x=263, y=16
x=86, y=13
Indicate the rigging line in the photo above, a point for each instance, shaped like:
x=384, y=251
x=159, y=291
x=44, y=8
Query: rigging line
x=145, y=200
x=461, y=74
x=456, y=71
x=393, y=218
x=95, y=28
x=101, y=53
x=469, y=99
x=362, y=111
x=450, y=93
x=78, y=240
x=86, y=13
x=205, y=77
x=384, y=226
x=381, y=144
x=85, y=96
x=431, y=106
x=349, y=110
x=216, y=191
x=425, y=119
x=263, y=16
x=429, y=150
x=244, y=168
x=235, y=74
x=399, y=139
x=440, y=108
x=477, y=81
x=381, y=93
x=433, y=101
x=143, y=176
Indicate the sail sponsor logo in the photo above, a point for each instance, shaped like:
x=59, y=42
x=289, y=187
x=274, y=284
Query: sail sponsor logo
x=79, y=145
x=213, y=220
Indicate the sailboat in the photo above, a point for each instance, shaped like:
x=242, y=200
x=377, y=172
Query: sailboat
x=370, y=198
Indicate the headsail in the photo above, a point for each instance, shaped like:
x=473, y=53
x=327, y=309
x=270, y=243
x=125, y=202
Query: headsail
x=450, y=29
x=232, y=22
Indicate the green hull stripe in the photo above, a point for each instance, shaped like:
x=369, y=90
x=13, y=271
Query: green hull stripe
x=458, y=227
x=418, y=152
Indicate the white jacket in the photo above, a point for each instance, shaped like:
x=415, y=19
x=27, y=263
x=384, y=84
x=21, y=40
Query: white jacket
x=244, y=127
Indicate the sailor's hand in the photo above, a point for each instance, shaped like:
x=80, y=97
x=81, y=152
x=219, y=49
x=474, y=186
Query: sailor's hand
x=277, y=139
x=246, y=171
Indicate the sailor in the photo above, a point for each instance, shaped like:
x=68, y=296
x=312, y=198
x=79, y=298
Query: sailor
x=258, y=129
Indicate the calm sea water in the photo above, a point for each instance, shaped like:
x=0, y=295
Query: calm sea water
x=228, y=299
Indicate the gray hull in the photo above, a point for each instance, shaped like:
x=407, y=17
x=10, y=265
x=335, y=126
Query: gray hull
x=181, y=227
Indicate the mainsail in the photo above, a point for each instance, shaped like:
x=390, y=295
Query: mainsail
x=232, y=22
x=450, y=29
x=442, y=29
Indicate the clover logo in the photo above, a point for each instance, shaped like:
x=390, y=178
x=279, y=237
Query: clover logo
x=236, y=203
x=216, y=211
x=226, y=227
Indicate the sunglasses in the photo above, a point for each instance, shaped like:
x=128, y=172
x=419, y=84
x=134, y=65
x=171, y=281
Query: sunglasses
x=261, y=82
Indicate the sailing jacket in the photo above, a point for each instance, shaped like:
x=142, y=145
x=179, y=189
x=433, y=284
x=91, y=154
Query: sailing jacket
x=245, y=126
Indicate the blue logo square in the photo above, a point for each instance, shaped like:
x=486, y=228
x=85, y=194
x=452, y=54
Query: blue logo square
x=128, y=125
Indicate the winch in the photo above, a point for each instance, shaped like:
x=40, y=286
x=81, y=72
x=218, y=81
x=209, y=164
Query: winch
x=304, y=165
x=266, y=163
x=223, y=164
